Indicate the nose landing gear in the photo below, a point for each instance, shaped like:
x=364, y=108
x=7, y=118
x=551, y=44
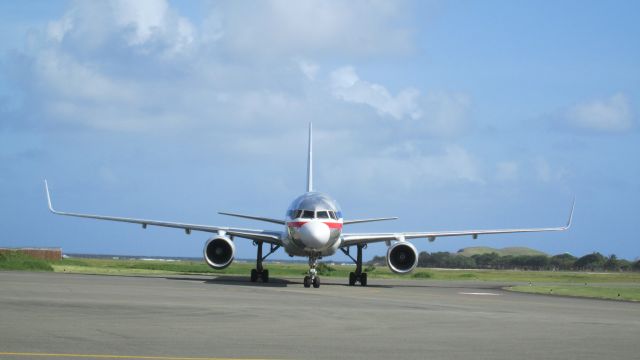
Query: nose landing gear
x=312, y=278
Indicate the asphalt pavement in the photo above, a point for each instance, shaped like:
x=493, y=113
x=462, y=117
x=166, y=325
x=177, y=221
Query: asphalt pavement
x=70, y=316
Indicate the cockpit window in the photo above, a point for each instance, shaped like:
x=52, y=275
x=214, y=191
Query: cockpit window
x=307, y=214
x=295, y=214
x=323, y=214
x=333, y=215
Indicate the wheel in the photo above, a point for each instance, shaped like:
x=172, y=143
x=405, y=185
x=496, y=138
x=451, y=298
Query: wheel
x=316, y=282
x=307, y=281
x=352, y=278
x=363, y=279
x=254, y=275
x=265, y=276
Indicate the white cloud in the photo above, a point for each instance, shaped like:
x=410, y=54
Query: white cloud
x=611, y=115
x=57, y=29
x=142, y=66
x=281, y=27
x=147, y=25
x=436, y=113
x=308, y=68
x=405, y=167
x=144, y=16
x=347, y=86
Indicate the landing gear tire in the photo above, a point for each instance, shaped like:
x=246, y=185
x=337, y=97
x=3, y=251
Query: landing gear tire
x=352, y=278
x=265, y=276
x=363, y=279
x=316, y=282
x=254, y=275
x=307, y=281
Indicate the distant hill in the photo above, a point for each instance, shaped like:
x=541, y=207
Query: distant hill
x=514, y=251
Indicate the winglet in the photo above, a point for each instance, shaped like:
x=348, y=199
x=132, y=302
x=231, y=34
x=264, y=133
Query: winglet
x=573, y=206
x=46, y=187
x=310, y=162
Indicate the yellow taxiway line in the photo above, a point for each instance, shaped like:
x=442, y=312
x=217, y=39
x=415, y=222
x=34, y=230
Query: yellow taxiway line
x=104, y=356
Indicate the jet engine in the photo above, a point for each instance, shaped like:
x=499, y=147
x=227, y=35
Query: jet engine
x=402, y=257
x=219, y=252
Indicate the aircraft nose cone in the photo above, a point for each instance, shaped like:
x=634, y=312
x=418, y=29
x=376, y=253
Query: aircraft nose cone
x=314, y=235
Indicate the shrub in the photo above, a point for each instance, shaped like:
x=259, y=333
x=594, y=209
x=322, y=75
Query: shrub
x=324, y=269
x=370, y=268
x=422, y=275
x=17, y=261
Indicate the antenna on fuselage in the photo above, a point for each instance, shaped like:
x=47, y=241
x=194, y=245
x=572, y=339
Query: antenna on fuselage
x=309, y=163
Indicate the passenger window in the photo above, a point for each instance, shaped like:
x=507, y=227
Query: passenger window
x=307, y=214
x=323, y=215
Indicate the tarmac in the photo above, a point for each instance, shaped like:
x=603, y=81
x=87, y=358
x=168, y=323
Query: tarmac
x=70, y=316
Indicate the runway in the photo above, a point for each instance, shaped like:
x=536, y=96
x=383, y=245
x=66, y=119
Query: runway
x=228, y=317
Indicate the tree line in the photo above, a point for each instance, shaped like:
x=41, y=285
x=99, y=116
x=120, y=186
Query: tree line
x=590, y=262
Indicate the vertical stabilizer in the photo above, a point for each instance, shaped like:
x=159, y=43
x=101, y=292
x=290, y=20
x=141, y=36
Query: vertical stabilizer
x=310, y=162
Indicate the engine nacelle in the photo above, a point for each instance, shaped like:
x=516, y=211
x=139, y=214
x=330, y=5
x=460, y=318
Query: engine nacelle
x=402, y=257
x=219, y=252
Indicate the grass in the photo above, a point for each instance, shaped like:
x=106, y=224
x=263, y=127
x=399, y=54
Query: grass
x=294, y=270
x=513, y=251
x=599, y=291
x=596, y=285
x=17, y=261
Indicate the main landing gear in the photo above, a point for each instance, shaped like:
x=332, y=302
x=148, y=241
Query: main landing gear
x=259, y=272
x=358, y=275
x=312, y=278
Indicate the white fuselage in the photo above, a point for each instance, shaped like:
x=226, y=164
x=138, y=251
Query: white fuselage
x=313, y=226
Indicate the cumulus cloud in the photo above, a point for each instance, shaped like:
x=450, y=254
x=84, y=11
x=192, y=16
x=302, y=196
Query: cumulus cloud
x=346, y=85
x=142, y=67
x=405, y=167
x=147, y=25
x=308, y=68
x=281, y=27
x=437, y=112
x=609, y=115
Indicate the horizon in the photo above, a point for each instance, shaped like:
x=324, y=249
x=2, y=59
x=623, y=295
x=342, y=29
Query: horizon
x=297, y=259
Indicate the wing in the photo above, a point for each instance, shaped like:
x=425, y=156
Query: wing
x=259, y=218
x=273, y=237
x=354, y=239
x=358, y=221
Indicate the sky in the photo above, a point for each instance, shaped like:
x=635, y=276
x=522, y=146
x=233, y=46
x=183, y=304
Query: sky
x=451, y=115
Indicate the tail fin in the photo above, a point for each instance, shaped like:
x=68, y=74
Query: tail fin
x=310, y=162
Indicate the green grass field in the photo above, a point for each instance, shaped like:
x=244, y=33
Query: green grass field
x=17, y=261
x=600, y=285
x=513, y=251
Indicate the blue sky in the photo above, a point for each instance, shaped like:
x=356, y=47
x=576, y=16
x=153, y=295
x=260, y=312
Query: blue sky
x=449, y=114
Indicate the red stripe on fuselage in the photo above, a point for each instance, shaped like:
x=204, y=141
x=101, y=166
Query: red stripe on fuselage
x=298, y=224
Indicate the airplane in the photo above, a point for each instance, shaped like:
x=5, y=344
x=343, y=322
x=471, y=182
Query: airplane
x=313, y=228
